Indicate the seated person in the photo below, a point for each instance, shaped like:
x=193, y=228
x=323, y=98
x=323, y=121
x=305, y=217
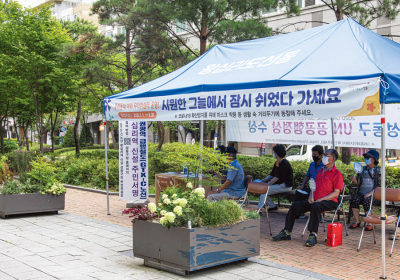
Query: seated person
x=280, y=179
x=315, y=166
x=233, y=187
x=366, y=182
x=329, y=184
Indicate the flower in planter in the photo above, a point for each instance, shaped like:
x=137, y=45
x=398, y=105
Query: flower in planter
x=175, y=201
x=174, y=195
x=152, y=207
x=167, y=201
x=170, y=217
x=163, y=212
x=178, y=210
x=200, y=192
x=163, y=221
x=189, y=185
x=160, y=204
x=164, y=196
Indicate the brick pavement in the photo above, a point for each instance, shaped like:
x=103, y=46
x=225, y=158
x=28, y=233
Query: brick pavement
x=342, y=262
x=67, y=246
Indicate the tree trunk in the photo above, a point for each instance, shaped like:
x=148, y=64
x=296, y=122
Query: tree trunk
x=1, y=136
x=219, y=131
x=84, y=131
x=78, y=117
x=16, y=131
x=27, y=138
x=339, y=14
x=115, y=146
x=161, y=131
x=203, y=34
x=128, y=59
x=346, y=156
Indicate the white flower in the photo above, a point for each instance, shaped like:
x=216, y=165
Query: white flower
x=200, y=192
x=178, y=210
x=163, y=221
x=182, y=202
x=174, y=195
x=167, y=201
x=170, y=217
x=152, y=207
x=189, y=185
x=163, y=212
x=175, y=201
x=160, y=204
x=164, y=196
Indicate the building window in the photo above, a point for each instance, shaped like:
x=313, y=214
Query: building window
x=310, y=3
x=68, y=18
x=75, y=16
x=110, y=34
x=300, y=3
x=180, y=27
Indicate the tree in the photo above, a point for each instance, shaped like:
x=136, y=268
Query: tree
x=69, y=140
x=85, y=137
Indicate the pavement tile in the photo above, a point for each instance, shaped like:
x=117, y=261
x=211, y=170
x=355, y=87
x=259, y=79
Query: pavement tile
x=34, y=274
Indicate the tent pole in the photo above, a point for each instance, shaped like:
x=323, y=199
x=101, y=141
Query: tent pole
x=226, y=133
x=201, y=132
x=333, y=134
x=106, y=158
x=383, y=188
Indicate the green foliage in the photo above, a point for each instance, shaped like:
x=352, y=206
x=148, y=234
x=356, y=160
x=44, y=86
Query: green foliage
x=56, y=188
x=178, y=206
x=10, y=146
x=353, y=158
x=17, y=187
x=69, y=139
x=89, y=138
x=42, y=172
x=252, y=214
x=58, y=140
x=19, y=161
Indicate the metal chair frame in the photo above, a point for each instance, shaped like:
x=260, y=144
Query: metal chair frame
x=373, y=227
x=341, y=197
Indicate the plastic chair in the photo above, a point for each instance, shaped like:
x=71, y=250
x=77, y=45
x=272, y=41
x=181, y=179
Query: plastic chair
x=245, y=198
x=392, y=195
x=261, y=188
x=164, y=182
x=341, y=198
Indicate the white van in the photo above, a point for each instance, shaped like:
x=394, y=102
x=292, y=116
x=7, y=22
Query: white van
x=300, y=152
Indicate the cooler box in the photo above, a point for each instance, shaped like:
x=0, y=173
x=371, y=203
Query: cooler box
x=334, y=235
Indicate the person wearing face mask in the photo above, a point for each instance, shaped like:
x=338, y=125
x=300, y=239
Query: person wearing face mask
x=367, y=181
x=329, y=184
x=315, y=166
x=280, y=179
x=233, y=186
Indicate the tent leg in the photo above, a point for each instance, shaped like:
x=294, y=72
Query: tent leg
x=333, y=134
x=106, y=159
x=383, y=188
x=201, y=132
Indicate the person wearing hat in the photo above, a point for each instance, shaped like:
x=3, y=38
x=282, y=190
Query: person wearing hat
x=366, y=181
x=233, y=186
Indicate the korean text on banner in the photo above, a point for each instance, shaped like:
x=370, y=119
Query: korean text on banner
x=346, y=98
x=359, y=132
x=133, y=160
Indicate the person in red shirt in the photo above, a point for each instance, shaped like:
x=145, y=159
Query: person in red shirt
x=329, y=184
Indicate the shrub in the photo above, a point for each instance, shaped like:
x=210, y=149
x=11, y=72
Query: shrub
x=19, y=161
x=69, y=140
x=42, y=172
x=89, y=138
x=10, y=146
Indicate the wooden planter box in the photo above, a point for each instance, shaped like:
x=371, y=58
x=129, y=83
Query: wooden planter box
x=182, y=250
x=30, y=203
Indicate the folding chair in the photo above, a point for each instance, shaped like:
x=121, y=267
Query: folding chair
x=392, y=195
x=341, y=198
x=245, y=198
x=261, y=188
x=164, y=182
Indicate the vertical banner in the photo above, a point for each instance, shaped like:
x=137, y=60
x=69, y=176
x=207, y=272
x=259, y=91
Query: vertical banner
x=133, y=160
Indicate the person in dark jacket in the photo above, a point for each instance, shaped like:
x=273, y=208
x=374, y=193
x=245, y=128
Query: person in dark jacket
x=367, y=181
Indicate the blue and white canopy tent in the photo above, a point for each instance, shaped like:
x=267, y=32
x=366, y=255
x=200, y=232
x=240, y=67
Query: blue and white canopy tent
x=339, y=55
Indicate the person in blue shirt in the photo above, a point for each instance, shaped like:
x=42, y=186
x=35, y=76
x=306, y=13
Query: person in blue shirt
x=233, y=187
x=303, y=194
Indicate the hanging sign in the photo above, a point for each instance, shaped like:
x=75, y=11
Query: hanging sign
x=359, y=132
x=133, y=160
x=346, y=98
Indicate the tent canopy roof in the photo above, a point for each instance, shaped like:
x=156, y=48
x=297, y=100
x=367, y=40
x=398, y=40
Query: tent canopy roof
x=344, y=50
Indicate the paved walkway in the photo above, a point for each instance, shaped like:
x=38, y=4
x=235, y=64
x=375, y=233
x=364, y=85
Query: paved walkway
x=67, y=246
x=343, y=262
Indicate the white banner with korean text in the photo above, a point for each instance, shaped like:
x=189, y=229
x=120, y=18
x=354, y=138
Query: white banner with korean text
x=362, y=132
x=133, y=160
x=340, y=99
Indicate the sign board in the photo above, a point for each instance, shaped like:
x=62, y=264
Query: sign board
x=345, y=98
x=133, y=160
x=362, y=132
